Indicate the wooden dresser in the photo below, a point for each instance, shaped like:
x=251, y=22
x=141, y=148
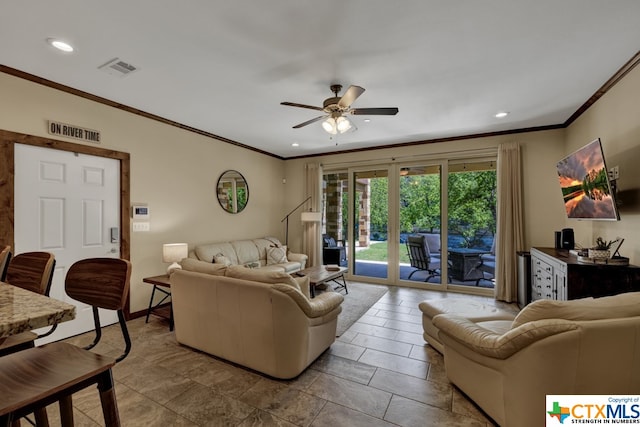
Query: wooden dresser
x=556, y=274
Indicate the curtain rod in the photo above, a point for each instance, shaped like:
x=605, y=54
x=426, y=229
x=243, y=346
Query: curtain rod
x=442, y=155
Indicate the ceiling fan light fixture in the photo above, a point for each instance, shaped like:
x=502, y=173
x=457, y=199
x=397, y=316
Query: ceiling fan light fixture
x=343, y=124
x=330, y=126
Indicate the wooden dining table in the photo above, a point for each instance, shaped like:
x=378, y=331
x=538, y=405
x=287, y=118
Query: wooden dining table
x=22, y=310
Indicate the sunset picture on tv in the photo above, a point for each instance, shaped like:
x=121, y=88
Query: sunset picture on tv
x=585, y=184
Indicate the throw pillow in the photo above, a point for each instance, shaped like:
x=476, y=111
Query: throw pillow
x=277, y=255
x=221, y=259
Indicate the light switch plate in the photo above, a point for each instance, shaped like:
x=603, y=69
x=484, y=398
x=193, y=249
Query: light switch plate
x=141, y=226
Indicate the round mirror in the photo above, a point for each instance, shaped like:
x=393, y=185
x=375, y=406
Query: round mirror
x=233, y=191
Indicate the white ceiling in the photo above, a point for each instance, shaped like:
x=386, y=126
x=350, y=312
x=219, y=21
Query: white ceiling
x=223, y=67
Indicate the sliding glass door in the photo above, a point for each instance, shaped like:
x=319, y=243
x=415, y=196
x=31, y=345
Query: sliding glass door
x=471, y=222
x=427, y=224
x=420, y=238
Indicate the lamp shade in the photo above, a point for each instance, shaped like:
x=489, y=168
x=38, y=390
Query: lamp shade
x=310, y=217
x=174, y=252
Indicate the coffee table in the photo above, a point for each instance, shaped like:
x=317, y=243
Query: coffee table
x=319, y=275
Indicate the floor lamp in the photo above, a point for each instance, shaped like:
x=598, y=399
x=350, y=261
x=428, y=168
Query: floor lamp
x=286, y=218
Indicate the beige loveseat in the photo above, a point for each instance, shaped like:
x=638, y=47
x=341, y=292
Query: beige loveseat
x=586, y=346
x=273, y=328
x=266, y=253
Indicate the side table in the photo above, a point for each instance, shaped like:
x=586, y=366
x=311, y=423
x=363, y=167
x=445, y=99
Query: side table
x=160, y=284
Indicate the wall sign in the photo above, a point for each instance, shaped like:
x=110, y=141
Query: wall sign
x=71, y=131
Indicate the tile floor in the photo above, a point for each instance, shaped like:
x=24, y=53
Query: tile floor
x=380, y=372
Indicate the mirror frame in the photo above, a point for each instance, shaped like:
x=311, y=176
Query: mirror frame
x=230, y=183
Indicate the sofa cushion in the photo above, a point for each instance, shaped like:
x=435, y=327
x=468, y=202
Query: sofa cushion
x=192, y=264
x=277, y=255
x=208, y=251
x=263, y=245
x=246, y=251
x=617, y=306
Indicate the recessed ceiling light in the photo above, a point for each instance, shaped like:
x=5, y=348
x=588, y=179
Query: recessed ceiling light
x=367, y=120
x=502, y=114
x=295, y=144
x=59, y=44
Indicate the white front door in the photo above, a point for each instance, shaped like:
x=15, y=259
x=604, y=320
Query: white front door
x=67, y=204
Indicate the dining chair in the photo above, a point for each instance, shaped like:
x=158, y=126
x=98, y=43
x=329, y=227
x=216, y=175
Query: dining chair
x=32, y=271
x=37, y=377
x=5, y=257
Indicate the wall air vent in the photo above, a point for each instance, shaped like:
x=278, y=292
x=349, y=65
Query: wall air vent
x=119, y=68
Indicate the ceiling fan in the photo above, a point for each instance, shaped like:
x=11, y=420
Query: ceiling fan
x=337, y=107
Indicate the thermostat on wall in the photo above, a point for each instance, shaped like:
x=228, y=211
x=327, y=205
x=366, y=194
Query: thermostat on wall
x=140, y=212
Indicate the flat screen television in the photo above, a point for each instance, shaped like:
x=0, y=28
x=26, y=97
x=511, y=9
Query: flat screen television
x=586, y=189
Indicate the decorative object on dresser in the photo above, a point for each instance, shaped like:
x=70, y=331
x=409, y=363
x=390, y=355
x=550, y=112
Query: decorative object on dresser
x=558, y=274
x=601, y=251
x=174, y=253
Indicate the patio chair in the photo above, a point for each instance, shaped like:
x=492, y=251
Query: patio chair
x=420, y=257
x=331, y=252
x=488, y=264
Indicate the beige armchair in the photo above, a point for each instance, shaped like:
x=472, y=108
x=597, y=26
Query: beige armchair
x=588, y=346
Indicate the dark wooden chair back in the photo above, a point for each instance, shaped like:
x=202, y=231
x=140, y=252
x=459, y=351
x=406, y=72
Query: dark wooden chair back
x=32, y=271
x=101, y=283
x=5, y=257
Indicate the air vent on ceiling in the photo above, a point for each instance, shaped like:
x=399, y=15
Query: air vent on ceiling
x=116, y=67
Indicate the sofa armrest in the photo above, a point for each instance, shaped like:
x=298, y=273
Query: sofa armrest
x=319, y=306
x=301, y=258
x=490, y=344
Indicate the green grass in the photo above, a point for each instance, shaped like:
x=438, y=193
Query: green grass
x=377, y=251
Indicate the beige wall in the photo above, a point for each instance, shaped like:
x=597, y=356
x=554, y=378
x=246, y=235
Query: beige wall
x=615, y=120
x=172, y=170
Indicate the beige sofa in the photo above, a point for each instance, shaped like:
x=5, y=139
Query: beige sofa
x=273, y=328
x=587, y=346
x=255, y=253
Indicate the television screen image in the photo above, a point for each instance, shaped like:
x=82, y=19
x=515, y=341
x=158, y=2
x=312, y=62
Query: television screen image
x=585, y=184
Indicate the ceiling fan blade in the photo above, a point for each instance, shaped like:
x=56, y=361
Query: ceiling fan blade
x=310, y=107
x=375, y=111
x=308, y=122
x=350, y=96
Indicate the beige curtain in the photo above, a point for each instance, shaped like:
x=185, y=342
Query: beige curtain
x=510, y=222
x=312, y=237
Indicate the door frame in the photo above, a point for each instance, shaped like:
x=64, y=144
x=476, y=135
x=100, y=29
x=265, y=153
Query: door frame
x=8, y=140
